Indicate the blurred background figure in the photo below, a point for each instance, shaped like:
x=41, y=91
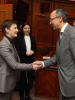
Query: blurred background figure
x=74, y=23
x=26, y=47
x=20, y=28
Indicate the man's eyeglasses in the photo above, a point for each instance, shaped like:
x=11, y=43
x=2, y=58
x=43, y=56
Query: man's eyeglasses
x=52, y=19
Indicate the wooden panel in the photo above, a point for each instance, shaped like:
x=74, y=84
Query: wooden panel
x=41, y=28
x=38, y=55
x=29, y=2
x=14, y=2
x=6, y=12
x=25, y=1
x=69, y=7
x=55, y=37
x=70, y=21
x=3, y=1
x=29, y=13
x=29, y=19
x=46, y=84
x=38, y=7
x=43, y=31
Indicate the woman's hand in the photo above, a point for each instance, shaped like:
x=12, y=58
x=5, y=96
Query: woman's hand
x=30, y=52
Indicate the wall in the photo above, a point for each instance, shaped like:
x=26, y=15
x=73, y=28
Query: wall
x=3, y=1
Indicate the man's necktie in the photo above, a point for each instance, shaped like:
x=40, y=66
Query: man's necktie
x=60, y=37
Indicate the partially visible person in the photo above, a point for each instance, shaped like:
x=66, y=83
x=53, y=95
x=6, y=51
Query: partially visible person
x=74, y=23
x=26, y=48
x=19, y=28
x=9, y=60
x=65, y=53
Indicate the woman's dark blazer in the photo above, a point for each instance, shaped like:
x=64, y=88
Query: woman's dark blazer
x=21, y=49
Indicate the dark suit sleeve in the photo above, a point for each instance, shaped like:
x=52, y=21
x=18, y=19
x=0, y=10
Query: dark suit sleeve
x=19, y=47
x=50, y=62
x=33, y=44
x=21, y=53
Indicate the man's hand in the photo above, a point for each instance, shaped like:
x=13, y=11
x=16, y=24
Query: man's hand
x=39, y=63
x=35, y=66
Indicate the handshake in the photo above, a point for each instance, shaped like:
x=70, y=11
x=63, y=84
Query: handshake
x=37, y=65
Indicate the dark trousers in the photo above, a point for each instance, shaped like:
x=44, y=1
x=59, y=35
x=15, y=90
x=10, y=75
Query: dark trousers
x=6, y=96
x=25, y=83
x=68, y=98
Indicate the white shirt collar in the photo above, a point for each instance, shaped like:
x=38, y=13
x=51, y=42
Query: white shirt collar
x=27, y=42
x=63, y=28
x=26, y=36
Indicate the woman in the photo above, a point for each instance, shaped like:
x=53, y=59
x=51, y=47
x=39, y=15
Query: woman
x=26, y=47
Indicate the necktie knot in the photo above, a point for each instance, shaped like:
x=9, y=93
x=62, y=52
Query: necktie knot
x=60, y=36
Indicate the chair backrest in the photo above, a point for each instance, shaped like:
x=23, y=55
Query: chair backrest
x=45, y=50
x=48, y=49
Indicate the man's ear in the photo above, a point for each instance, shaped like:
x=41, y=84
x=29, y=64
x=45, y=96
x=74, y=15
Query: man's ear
x=60, y=18
x=7, y=30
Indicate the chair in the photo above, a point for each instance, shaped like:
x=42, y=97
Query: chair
x=45, y=50
x=48, y=49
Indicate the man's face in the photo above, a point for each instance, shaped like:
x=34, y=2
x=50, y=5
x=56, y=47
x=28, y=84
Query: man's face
x=12, y=32
x=54, y=21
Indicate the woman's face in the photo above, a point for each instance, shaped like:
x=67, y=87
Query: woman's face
x=12, y=31
x=26, y=30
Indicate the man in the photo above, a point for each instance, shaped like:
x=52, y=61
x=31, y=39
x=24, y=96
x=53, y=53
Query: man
x=74, y=23
x=9, y=61
x=65, y=54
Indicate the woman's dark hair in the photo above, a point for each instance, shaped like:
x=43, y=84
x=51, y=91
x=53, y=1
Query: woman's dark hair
x=7, y=24
x=22, y=33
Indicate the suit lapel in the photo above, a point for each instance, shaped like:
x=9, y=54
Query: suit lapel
x=7, y=41
x=24, y=44
x=59, y=47
x=14, y=49
x=64, y=36
x=31, y=41
x=63, y=39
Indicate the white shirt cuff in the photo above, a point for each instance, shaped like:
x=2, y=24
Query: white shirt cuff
x=43, y=64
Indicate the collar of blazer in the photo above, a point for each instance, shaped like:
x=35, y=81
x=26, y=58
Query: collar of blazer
x=65, y=33
x=7, y=41
x=10, y=45
x=58, y=48
x=66, y=29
